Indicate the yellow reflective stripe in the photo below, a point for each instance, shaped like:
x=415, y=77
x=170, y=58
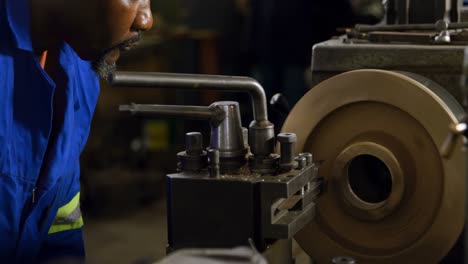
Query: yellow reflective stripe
x=65, y=211
x=64, y=227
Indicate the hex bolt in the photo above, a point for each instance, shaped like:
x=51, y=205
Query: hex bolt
x=308, y=157
x=288, y=142
x=194, y=143
x=301, y=162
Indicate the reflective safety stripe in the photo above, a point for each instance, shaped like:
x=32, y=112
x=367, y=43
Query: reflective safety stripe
x=68, y=216
x=71, y=218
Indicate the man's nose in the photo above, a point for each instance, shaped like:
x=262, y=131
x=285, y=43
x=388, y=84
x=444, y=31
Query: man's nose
x=144, y=17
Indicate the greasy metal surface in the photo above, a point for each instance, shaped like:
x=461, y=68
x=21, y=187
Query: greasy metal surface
x=225, y=211
x=403, y=123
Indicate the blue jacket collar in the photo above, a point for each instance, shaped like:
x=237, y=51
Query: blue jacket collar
x=18, y=15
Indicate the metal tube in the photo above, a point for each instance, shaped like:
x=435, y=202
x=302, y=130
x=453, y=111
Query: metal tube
x=213, y=113
x=195, y=82
x=368, y=28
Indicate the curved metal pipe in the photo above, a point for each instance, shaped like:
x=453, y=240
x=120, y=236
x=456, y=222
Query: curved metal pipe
x=194, y=82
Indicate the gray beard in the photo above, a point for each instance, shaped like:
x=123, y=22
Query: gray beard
x=102, y=69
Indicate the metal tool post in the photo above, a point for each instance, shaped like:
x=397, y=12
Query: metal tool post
x=261, y=131
x=223, y=195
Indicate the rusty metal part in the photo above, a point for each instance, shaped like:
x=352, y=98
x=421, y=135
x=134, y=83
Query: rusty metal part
x=381, y=131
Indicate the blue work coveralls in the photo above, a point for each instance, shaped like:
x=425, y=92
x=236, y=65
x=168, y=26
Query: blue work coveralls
x=43, y=128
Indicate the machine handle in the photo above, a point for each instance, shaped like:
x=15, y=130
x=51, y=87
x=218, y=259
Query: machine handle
x=214, y=114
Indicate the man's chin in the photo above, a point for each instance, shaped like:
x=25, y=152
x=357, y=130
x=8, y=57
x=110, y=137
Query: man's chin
x=106, y=63
x=103, y=69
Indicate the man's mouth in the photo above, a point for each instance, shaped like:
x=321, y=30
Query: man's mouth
x=129, y=43
x=113, y=54
x=106, y=63
x=130, y=46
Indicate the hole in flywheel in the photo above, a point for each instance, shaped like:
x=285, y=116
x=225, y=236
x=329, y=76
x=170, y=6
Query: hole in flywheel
x=369, y=178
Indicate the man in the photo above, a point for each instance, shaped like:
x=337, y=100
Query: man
x=50, y=52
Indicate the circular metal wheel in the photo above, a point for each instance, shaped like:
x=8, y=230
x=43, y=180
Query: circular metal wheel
x=389, y=197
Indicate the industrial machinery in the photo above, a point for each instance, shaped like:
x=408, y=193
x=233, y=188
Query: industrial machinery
x=370, y=165
x=237, y=191
x=395, y=176
x=389, y=195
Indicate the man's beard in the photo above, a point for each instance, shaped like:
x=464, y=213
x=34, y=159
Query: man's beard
x=101, y=67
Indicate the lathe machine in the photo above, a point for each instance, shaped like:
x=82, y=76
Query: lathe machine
x=370, y=164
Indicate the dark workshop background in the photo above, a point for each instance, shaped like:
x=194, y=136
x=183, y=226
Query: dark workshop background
x=127, y=157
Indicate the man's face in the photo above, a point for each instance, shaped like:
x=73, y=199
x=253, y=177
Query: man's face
x=102, y=29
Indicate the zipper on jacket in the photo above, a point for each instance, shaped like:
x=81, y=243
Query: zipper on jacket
x=33, y=196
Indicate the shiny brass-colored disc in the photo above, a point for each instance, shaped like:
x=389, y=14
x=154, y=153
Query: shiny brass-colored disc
x=390, y=197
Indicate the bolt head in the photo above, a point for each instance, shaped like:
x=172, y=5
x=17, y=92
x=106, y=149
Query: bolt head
x=193, y=143
x=287, y=138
